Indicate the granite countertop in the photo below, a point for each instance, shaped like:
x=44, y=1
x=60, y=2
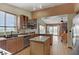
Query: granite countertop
x=40, y=38
x=14, y=36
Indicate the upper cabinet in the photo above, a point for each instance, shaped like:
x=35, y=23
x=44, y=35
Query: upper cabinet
x=27, y=23
x=32, y=24
x=23, y=21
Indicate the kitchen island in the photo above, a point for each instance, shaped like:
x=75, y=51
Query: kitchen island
x=40, y=45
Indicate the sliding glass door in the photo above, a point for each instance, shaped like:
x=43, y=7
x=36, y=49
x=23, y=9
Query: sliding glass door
x=53, y=30
x=49, y=29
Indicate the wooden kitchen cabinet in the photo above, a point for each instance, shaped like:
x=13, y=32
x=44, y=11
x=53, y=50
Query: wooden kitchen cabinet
x=11, y=45
x=14, y=44
x=3, y=44
x=23, y=21
x=40, y=45
x=32, y=24
x=20, y=44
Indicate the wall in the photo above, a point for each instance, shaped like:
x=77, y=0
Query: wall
x=52, y=11
x=14, y=10
x=69, y=27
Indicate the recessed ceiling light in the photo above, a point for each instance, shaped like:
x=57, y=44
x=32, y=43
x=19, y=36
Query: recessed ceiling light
x=40, y=6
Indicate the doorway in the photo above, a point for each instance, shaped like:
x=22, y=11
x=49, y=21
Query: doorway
x=54, y=30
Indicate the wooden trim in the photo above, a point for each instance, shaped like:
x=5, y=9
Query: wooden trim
x=46, y=28
x=52, y=24
x=67, y=8
x=38, y=29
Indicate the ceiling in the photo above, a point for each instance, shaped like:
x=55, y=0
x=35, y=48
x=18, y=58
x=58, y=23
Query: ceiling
x=34, y=6
x=54, y=19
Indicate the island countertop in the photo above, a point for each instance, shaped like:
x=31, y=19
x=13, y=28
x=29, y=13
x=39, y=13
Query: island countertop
x=39, y=38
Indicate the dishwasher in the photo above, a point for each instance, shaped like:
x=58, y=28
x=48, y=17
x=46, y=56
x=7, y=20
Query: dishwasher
x=26, y=41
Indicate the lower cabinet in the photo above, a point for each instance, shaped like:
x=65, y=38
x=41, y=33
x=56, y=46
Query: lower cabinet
x=11, y=45
x=3, y=44
x=40, y=48
x=20, y=43
x=14, y=44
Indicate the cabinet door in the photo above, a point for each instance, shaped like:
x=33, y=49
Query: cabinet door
x=20, y=44
x=47, y=47
x=36, y=48
x=0, y=44
x=3, y=44
x=11, y=45
x=23, y=21
x=26, y=21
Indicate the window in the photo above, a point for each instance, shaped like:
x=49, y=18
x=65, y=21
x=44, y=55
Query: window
x=10, y=20
x=7, y=23
x=10, y=23
x=42, y=29
x=53, y=30
x=75, y=30
x=2, y=19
